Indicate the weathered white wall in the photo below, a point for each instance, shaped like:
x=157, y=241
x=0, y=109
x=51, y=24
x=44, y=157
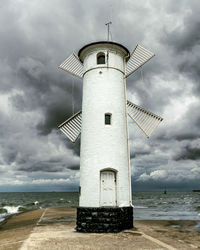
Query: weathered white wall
x=103, y=146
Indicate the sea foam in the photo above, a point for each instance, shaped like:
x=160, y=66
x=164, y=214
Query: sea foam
x=12, y=209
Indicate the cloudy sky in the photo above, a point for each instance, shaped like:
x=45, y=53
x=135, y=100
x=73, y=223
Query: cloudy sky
x=35, y=96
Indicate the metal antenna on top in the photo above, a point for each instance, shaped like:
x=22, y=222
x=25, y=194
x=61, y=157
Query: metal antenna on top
x=108, y=24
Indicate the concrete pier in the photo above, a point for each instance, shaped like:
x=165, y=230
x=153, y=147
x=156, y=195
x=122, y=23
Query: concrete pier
x=54, y=228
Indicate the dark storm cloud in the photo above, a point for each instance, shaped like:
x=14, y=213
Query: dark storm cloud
x=53, y=117
x=74, y=167
x=43, y=166
x=178, y=133
x=43, y=91
x=185, y=42
x=10, y=155
x=31, y=65
x=138, y=153
x=186, y=129
x=189, y=153
x=32, y=46
x=165, y=185
x=185, y=39
x=66, y=141
x=186, y=136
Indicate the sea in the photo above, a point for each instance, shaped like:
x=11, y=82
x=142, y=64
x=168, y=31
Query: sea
x=155, y=205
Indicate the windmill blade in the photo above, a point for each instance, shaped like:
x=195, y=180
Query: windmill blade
x=72, y=126
x=73, y=65
x=145, y=120
x=139, y=56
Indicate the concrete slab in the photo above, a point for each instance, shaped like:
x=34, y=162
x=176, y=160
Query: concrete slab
x=53, y=228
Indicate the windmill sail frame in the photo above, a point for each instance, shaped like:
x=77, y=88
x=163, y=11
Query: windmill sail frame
x=144, y=119
x=73, y=65
x=138, y=57
x=72, y=126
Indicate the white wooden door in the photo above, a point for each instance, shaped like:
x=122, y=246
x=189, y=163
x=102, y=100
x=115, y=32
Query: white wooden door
x=108, y=188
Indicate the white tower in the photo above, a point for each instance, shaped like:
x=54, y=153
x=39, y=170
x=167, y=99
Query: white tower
x=105, y=203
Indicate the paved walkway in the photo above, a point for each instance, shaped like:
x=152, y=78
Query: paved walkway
x=53, y=228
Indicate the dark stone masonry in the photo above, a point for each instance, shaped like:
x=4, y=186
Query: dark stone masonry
x=104, y=220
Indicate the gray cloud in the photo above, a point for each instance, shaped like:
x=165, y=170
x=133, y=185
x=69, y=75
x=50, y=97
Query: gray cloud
x=35, y=96
x=74, y=167
x=189, y=152
x=43, y=166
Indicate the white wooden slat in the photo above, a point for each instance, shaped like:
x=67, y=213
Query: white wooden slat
x=148, y=123
x=68, y=129
x=153, y=127
x=73, y=65
x=72, y=126
x=78, y=120
x=67, y=134
x=138, y=115
x=145, y=120
x=63, y=131
x=146, y=126
x=138, y=57
x=141, y=116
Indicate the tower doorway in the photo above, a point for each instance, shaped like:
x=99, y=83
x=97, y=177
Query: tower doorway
x=108, y=197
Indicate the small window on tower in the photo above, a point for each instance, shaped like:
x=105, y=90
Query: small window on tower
x=101, y=58
x=107, y=119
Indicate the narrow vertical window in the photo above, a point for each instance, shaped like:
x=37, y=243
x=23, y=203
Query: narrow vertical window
x=107, y=119
x=101, y=58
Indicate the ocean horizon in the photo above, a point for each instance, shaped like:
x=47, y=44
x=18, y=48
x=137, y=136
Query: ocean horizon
x=148, y=205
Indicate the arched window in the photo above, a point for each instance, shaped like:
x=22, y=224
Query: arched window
x=108, y=119
x=101, y=58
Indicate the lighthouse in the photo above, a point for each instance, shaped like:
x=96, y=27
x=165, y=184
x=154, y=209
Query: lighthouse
x=105, y=195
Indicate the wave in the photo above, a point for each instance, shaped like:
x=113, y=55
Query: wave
x=7, y=211
x=34, y=203
x=140, y=207
x=13, y=209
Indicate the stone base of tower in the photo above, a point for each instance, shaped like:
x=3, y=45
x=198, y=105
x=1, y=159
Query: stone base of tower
x=104, y=220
